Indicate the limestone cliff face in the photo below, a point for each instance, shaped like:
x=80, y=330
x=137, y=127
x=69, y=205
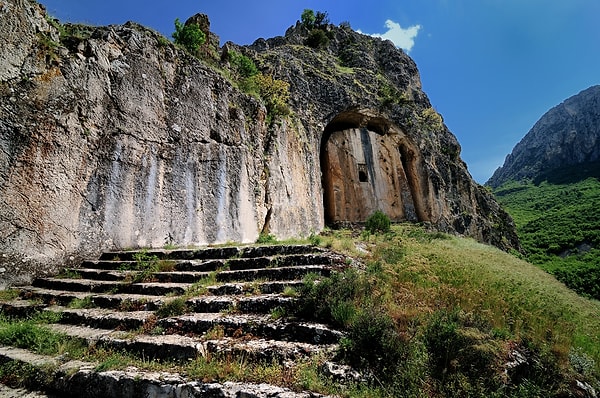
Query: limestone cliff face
x=111, y=137
x=566, y=135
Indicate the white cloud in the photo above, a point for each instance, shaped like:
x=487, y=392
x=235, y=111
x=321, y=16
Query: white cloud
x=402, y=38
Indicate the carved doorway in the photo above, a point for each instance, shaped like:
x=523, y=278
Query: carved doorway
x=368, y=168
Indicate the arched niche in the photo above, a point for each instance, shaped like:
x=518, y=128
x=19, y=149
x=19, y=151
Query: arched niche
x=369, y=164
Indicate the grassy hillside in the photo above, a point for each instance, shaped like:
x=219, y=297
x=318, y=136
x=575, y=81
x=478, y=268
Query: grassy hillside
x=427, y=315
x=466, y=309
x=558, y=222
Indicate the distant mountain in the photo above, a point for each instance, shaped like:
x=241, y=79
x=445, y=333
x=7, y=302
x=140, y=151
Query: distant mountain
x=567, y=135
x=550, y=185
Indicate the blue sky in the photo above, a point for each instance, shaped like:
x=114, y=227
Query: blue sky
x=491, y=68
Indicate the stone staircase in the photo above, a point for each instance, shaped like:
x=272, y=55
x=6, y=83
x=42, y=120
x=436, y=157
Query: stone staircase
x=176, y=305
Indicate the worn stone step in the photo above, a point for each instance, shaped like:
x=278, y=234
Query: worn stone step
x=264, y=287
x=232, y=325
x=103, y=318
x=212, y=252
x=211, y=265
x=99, y=286
x=283, y=273
x=21, y=308
x=178, y=265
x=121, y=301
x=251, y=325
x=263, y=303
x=278, y=261
x=168, y=277
x=79, y=379
x=122, y=278
x=177, y=347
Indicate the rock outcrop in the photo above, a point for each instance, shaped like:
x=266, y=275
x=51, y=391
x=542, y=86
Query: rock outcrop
x=565, y=136
x=112, y=137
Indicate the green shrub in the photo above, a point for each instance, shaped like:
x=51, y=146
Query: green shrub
x=243, y=65
x=378, y=222
x=374, y=344
x=275, y=94
x=332, y=299
x=190, y=36
x=308, y=18
x=317, y=38
x=265, y=238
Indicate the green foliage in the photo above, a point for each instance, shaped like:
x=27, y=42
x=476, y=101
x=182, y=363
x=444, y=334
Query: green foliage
x=266, y=238
x=321, y=19
x=316, y=24
x=243, y=64
x=17, y=374
x=463, y=355
x=189, y=36
x=333, y=299
x=308, y=18
x=9, y=294
x=374, y=344
x=559, y=228
x=29, y=334
x=275, y=94
x=317, y=38
x=146, y=266
x=377, y=222
x=86, y=302
x=174, y=307
x=430, y=120
x=69, y=273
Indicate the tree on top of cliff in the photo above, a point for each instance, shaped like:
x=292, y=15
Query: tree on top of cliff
x=190, y=36
x=317, y=27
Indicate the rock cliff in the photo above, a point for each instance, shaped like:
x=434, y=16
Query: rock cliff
x=567, y=135
x=112, y=137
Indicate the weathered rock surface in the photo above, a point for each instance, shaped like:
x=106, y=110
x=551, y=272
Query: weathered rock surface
x=111, y=137
x=566, y=135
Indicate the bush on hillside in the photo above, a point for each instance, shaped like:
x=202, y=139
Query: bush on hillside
x=378, y=222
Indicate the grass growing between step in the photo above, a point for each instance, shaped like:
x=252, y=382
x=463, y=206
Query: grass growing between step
x=34, y=335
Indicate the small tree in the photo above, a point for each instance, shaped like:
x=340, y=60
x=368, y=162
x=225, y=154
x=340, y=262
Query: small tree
x=190, y=36
x=308, y=19
x=377, y=222
x=274, y=92
x=244, y=65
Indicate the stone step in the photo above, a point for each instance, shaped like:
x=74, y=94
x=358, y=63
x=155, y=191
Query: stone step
x=251, y=325
x=178, y=265
x=99, y=286
x=121, y=301
x=257, y=303
x=265, y=287
x=96, y=280
x=231, y=325
x=213, y=252
x=80, y=379
x=273, y=274
x=177, y=347
x=102, y=318
x=210, y=265
x=167, y=277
